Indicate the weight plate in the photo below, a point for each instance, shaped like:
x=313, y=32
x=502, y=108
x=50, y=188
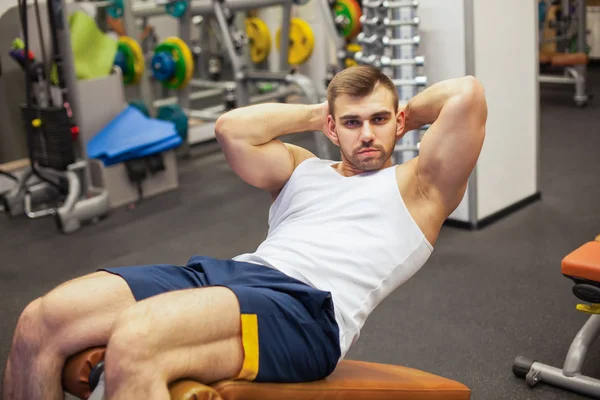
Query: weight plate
x=186, y=57
x=124, y=60
x=351, y=48
x=140, y=105
x=115, y=9
x=302, y=41
x=343, y=9
x=358, y=13
x=175, y=114
x=260, y=39
x=134, y=60
x=177, y=8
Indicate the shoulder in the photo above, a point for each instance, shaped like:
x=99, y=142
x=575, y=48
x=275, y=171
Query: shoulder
x=299, y=155
x=427, y=212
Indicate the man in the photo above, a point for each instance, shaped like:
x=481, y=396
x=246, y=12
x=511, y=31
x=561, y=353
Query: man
x=342, y=236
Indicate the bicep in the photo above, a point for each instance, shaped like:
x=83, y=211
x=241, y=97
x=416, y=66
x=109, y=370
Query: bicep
x=451, y=146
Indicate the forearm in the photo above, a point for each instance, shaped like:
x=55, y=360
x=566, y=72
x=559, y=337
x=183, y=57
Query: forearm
x=259, y=124
x=425, y=108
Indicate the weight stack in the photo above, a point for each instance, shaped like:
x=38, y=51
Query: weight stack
x=390, y=40
x=51, y=141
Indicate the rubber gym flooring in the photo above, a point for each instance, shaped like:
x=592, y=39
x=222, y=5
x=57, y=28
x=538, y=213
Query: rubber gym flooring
x=483, y=298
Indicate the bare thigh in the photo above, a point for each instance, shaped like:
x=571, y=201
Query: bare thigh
x=81, y=313
x=193, y=333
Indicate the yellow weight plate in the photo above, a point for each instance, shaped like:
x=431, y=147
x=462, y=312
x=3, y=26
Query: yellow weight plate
x=352, y=48
x=187, y=57
x=260, y=39
x=138, y=63
x=302, y=41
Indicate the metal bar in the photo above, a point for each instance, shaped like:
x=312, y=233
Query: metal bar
x=372, y=59
x=202, y=94
x=390, y=4
x=556, y=79
x=286, y=17
x=389, y=42
x=398, y=22
x=581, y=345
x=258, y=75
x=582, y=32
x=362, y=38
x=418, y=81
x=372, y=3
x=214, y=112
x=400, y=4
x=201, y=83
x=386, y=61
x=469, y=34
x=369, y=21
x=375, y=21
x=203, y=7
x=235, y=61
x=579, y=384
x=185, y=22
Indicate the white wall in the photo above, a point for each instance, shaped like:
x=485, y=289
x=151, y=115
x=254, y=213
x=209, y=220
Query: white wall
x=442, y=32
x=506, y=63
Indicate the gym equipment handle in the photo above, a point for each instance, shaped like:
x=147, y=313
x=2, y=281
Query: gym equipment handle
x=375, y=21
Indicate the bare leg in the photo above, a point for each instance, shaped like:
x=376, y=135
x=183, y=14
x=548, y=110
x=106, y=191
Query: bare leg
x=73, y=317
x=193, y=333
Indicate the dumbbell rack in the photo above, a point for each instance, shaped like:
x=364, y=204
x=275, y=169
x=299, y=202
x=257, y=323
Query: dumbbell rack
x=389, y=41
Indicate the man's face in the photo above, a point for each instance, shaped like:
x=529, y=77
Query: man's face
x=366, y=129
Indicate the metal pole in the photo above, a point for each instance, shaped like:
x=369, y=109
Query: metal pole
x=63, y=36
x=285, y=34
x=185, y=25
x=581, y=36
x=241, y=91
x=145, y=86
x=580, y=346
x=203, y=7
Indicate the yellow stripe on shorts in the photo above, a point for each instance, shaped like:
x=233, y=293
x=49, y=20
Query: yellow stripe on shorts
x=250, y=344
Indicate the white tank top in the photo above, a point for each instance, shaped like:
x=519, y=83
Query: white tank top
x=351, y=236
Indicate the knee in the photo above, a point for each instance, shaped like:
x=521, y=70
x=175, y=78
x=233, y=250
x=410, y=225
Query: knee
x=130, y=349
x=30, y=329
x=43, y=322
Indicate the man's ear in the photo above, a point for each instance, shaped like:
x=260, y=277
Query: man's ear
x=400, y=122
x=331, y=131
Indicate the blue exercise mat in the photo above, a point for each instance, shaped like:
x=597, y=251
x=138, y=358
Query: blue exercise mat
x=165, y=145
x=132, y=135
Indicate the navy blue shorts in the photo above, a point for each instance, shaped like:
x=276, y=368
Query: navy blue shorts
x=289, y=332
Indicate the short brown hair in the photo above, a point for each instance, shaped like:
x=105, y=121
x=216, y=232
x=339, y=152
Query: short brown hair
x=358, y=81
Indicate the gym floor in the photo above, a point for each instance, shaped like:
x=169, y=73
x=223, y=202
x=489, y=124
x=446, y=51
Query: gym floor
x=483, y=298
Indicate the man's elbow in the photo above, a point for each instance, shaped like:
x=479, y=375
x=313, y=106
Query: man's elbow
x=224, y=127
x=473, y=96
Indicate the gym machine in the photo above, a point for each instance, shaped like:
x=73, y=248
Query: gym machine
x=563, y=44
x=239, y=50
x=389, y=40
x=582, y=266
x=56, y=155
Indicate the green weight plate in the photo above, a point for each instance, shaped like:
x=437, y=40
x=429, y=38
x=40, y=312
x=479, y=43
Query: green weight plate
x=129, y=73
x=180, y=67
x=139, y=104
x=175, y=114
x=342, y=9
